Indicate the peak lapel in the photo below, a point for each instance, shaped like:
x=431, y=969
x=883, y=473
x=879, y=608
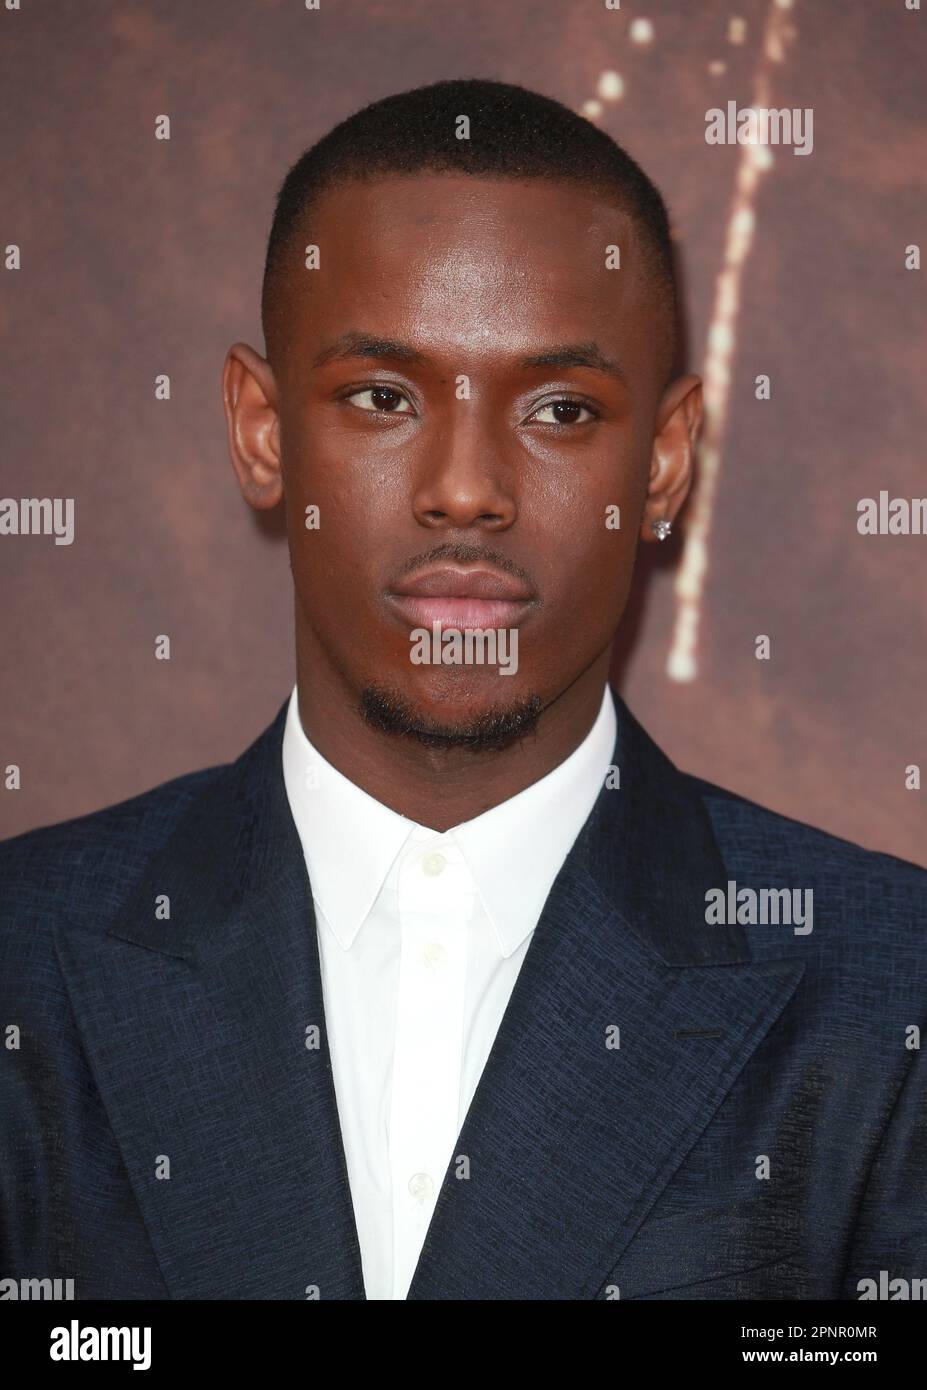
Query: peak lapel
x=196, y=1031
x=570, y=1141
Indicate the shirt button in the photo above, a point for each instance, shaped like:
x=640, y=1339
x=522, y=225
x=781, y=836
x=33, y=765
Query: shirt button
x=421, y=1187
x=434, y=863
x=434, y=954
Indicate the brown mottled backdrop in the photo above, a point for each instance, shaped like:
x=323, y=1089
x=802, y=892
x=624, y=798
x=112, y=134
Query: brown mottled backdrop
x=141, y=257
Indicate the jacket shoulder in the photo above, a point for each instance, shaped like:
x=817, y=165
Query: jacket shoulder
x=80, y=871
x=766, y=847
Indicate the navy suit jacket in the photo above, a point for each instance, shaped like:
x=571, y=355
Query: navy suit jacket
x=755, y=1128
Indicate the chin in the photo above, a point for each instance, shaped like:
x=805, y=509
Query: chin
x=469, y=713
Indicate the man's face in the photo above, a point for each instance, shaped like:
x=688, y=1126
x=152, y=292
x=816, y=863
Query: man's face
x=453, y=453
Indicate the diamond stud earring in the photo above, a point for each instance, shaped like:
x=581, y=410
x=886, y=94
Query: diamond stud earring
x=661, y=528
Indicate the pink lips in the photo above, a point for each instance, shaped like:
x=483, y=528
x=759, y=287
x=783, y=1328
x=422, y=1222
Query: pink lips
x=459, y=597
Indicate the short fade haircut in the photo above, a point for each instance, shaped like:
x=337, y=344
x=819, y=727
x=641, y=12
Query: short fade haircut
x=515, y=134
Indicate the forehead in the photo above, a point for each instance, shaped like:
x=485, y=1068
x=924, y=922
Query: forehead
x=472, y=265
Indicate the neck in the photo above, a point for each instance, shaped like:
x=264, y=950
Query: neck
x=438, y=787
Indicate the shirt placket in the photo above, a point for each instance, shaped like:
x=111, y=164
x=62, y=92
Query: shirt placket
x=433, y=899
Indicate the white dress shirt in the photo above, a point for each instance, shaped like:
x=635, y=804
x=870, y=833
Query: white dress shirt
x=421, y=936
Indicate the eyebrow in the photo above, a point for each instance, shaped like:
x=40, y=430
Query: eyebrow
x=366, y=345
x=575, y=355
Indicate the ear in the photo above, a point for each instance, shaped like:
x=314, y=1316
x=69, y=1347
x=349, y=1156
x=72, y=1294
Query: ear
x=249, y=394
x=678, y=421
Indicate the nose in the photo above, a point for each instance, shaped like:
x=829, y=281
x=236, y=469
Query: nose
x=464, y=482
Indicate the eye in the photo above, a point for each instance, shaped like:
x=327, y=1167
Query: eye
x=565, y=411
x=384, y=399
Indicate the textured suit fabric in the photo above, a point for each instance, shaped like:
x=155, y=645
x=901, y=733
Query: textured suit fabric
x=168, y=1127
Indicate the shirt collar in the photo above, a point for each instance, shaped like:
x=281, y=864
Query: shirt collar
x=514, y=850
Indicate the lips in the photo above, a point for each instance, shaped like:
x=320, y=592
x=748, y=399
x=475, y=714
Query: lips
x=461, y=597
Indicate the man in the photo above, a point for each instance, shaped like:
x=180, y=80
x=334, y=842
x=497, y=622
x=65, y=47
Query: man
x=452, y=986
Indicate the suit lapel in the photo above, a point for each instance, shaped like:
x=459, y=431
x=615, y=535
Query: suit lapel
x=569, y=1142
x=196, y=1030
